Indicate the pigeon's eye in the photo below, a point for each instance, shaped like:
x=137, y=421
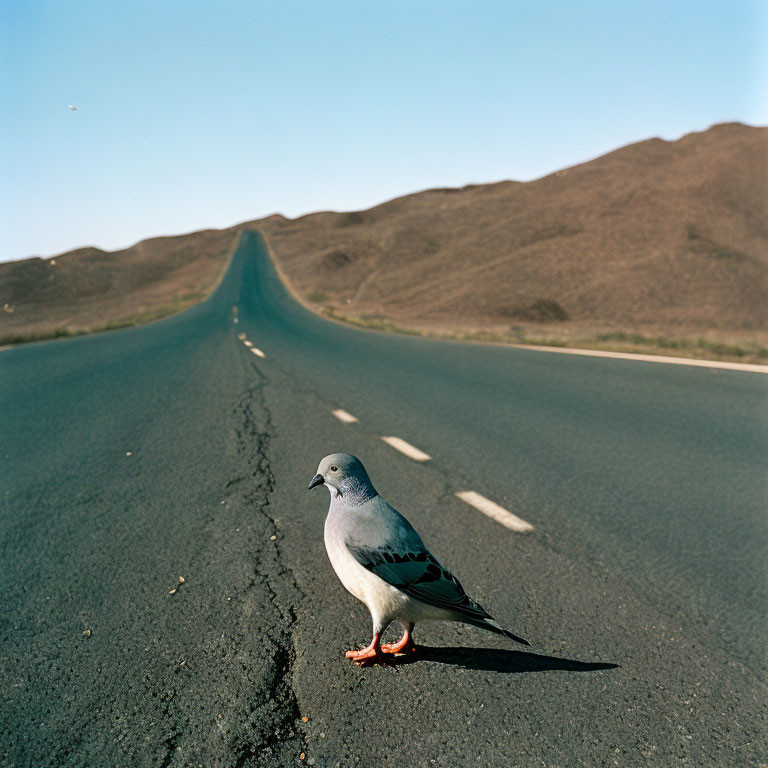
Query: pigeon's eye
x=334, y=469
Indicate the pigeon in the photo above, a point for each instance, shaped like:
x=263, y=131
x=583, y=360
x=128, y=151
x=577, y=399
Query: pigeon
x=382, y=561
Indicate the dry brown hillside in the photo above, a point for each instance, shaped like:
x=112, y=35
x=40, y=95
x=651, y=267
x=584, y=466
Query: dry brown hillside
x=657, y=237
x=664, y=239
x=90, y=289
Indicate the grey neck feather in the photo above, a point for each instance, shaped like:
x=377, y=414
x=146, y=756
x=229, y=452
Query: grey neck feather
x=353, y=491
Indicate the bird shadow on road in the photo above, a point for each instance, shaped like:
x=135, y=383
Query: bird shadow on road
x=497, y=660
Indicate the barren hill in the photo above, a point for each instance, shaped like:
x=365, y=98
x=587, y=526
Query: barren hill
x=663, y=236
x=665, y=239
x=90, y=289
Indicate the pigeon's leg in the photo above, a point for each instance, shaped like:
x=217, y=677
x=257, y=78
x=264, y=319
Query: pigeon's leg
x=373, y=651
x=372, y=654
x=404, y=645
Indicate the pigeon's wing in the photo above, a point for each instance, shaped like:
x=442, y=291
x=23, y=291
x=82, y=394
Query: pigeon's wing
x=405, y=563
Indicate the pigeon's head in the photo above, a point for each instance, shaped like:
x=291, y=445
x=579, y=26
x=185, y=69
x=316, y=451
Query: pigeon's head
x=345, y=477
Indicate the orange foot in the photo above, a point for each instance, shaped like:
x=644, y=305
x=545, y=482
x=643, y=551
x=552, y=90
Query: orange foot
x=396, y=648
x=404, y=645
x=370, y=655
x=366, y=658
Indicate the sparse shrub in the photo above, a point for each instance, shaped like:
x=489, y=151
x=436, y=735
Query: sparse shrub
x=693, y=232
x=336, y=258
x=540, y=311
x=350, y=219
x=701, y=243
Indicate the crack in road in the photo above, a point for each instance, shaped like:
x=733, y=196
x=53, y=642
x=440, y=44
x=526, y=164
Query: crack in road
x=278, y=719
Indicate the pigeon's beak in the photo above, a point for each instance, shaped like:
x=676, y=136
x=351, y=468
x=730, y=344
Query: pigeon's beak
x=316, y=480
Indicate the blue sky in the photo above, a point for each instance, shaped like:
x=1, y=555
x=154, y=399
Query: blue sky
x=196, y=114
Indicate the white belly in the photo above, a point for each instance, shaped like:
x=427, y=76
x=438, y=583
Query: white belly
x=385, y=602
x=380, y=597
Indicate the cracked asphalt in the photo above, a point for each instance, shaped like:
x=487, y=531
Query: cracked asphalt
x=131, y=459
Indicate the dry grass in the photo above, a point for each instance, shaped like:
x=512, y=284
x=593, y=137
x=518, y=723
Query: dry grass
x=745, y=351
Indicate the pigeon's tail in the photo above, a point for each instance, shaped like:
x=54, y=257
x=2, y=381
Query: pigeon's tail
x=492, y=626
x=514, y=637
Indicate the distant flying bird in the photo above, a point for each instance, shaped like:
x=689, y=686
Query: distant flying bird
x=381, y=560
x=71, y=108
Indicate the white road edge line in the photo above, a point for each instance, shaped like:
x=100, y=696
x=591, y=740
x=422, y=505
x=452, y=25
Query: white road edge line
x=410, y=451
x=247, y=343
x=257, y=351
x=495, y=512
x=650, y=358
x=342, y=415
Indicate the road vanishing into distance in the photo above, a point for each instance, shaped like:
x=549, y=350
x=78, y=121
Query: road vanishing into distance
x=133, y=458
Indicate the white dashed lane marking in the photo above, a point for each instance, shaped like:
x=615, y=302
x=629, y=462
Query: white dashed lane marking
x=474, y=499
x=410, y=451
x=486, y=506
x=495, y=512
x=342, y=415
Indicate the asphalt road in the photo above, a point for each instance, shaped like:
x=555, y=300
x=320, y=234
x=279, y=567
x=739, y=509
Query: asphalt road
x=129, y=459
